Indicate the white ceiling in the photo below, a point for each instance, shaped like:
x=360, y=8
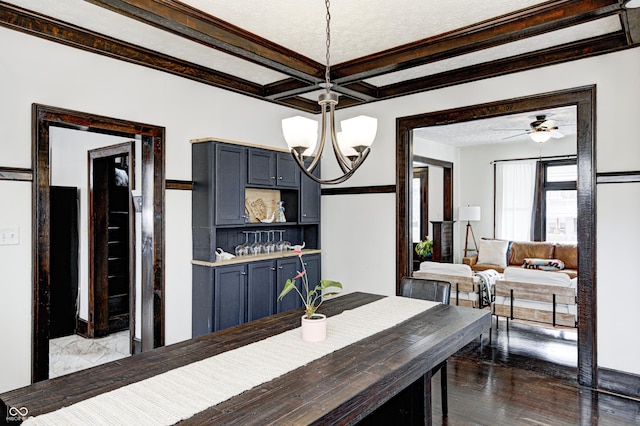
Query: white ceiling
x=358, y=28
x=505, y=129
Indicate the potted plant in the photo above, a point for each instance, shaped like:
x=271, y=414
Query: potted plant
x=313, y=324
x=424, y=247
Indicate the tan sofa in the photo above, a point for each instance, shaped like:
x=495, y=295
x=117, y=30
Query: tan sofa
x=518, y=251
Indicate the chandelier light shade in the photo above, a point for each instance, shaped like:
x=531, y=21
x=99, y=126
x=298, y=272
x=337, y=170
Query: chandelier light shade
x=540, y=136
x=351, y=146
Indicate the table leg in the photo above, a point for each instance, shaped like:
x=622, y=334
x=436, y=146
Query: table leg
x=427, y=398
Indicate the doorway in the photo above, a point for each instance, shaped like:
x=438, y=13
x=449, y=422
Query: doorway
x=112, y=286
x=151, y=225
x=584, y=100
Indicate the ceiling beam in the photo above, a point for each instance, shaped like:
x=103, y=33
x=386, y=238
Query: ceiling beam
x=569, y=52
x=536, y=20
x=182, y=20
x=630, y=20
x=42, y=26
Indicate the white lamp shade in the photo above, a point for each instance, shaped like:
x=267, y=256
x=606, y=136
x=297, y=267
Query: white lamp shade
x=632, y=3
x=359, y=131
x=540, y=137
x=469, y=213
x=347, y=150
x=300, y=132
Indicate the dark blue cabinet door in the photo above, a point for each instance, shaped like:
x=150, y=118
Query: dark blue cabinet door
x=261, y=167
x=261, y=289
x=230, y=179
x=229, y=296
x=309, y=198
x=287, y=171
x=285, y=269
x=312, y=263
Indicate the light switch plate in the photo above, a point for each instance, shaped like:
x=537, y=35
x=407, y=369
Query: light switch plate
x=9, y=236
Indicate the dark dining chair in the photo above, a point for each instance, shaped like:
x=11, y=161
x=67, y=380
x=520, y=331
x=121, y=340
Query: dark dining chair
x=436, y=291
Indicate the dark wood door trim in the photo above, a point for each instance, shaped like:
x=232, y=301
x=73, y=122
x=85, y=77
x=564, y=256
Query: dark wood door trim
x=152, y=261
x=584, y=100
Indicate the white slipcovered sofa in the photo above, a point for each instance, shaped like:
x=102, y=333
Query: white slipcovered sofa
x=465, y=287
x=535, y=295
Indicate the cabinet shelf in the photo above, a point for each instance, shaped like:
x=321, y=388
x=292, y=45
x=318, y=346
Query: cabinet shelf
x=246, y=259
x=259, y=225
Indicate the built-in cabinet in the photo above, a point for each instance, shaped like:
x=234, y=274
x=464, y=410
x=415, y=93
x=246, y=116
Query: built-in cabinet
x=442, y=250
x=228, y=293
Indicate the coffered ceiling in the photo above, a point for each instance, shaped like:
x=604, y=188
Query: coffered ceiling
x=275, y=50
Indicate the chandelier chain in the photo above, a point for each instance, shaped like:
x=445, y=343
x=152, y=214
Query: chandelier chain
x=327, y=73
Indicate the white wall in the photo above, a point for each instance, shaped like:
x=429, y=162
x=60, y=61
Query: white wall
x=358, y=233
x=475, y=185
x=618, y=90
x=52, y=74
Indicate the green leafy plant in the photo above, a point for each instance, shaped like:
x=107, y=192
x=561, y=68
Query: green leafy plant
x=424, y=247
x=312, y=298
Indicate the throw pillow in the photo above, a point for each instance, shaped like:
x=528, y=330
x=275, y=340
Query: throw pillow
x=543, y=264
x=493, y=252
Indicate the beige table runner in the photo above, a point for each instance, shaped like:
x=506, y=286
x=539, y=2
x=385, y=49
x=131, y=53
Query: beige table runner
x=185, y=391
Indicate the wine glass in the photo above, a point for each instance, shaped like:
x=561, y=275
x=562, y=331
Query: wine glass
x=269, y=246
x=256, y=247
x=243, y=249
x=283, y=245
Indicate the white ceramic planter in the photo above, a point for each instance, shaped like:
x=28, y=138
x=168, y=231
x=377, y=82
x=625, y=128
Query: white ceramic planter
x=314, y=330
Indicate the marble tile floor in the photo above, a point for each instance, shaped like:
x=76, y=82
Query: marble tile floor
x=74, y=353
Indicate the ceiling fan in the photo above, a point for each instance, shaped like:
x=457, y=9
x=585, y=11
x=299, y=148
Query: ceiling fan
x=542, y=129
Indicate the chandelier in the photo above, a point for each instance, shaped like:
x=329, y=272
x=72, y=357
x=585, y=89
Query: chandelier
x=351, y=146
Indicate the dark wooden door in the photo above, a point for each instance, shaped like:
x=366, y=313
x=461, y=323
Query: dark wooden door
x=261, y=286
x=64, y=261
x=111, y=241
x=230, y=177
x=229, y=296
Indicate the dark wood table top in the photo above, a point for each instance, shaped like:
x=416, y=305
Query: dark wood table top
x=340, y=388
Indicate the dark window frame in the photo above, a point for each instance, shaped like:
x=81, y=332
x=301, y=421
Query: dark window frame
x=540, y=214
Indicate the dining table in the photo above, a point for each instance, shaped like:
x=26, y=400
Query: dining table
x=380, y=376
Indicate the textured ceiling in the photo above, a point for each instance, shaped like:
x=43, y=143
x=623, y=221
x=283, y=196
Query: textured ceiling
x=358, y=27
x=505, y=129
x=275, y=50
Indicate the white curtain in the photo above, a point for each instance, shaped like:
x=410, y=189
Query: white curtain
x=515, y=186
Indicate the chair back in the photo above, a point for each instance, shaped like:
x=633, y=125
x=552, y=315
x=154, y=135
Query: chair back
x=420, y=288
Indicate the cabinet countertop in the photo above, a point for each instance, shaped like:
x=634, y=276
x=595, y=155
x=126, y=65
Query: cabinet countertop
x=245, y=259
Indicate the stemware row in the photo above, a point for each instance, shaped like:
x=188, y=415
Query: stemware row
x=269, y=245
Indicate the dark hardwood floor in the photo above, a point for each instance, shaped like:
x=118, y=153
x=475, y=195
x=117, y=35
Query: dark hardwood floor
x=525, y=376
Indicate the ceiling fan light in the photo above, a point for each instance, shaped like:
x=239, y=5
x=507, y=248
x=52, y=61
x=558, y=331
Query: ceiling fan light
x=632, y=3
x=359, y=131
x=540, y=136
x=300, y=133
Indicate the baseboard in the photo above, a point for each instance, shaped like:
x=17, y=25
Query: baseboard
x=82, y=328
x=619, y=382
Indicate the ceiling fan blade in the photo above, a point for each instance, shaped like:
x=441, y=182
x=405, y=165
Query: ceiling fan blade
x=556, y=134
x=513, y=136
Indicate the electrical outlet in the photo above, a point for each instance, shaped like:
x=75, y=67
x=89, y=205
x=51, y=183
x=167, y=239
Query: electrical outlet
x=9, y=236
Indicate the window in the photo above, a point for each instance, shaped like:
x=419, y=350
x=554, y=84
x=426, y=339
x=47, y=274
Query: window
x=419, y=224
x=515, y=184
x=558, y=214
